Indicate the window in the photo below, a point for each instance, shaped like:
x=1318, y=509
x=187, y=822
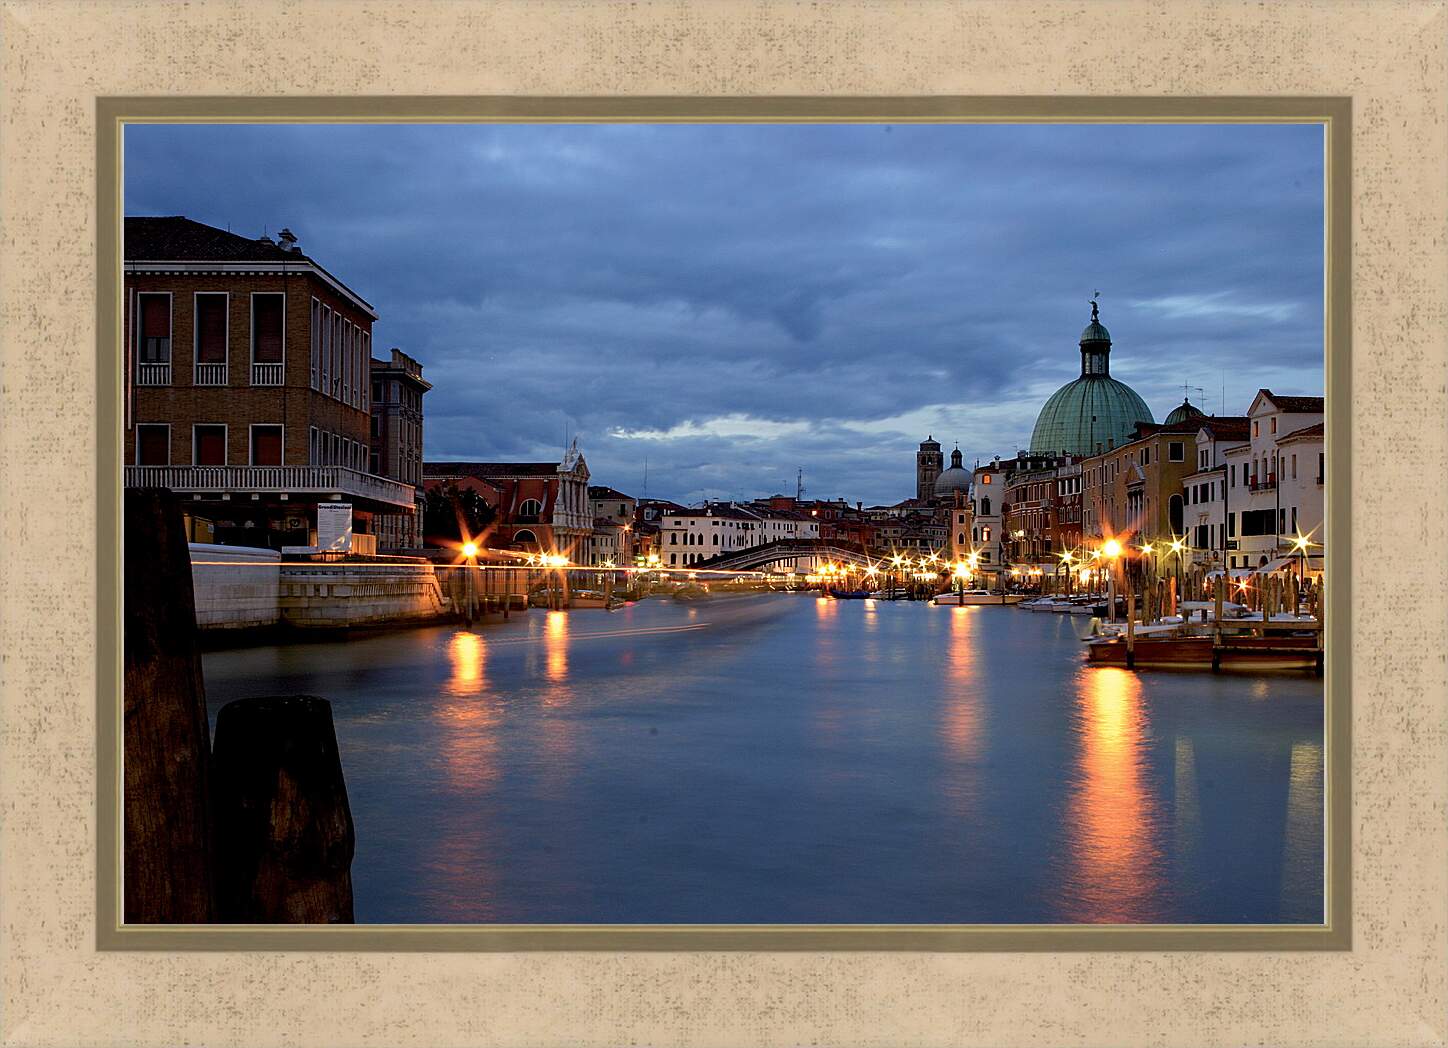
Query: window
x=1294, y=520
x=312, y=446
x=208, y=445
x=1319, y=467
x=155, y=346
x=324, y=349
x=530, y=508
x=985, y=478
x=1175, y=451
x=1231, y=525
x=266, y=445
x=673, y=559
x=985, y=534
x=316, y=332
x=153, y=445
x=1232, y=473
x=1256, y=428
x=210, y=335
x=1294, y=467
x=267, y=326
x=1274, y=423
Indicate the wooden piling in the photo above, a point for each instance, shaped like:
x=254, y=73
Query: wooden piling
x=284, y=834
x=168, y=838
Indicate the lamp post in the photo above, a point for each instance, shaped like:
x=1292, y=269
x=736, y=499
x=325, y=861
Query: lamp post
x=1111, y=550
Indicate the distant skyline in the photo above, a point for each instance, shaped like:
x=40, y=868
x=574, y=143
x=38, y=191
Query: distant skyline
x=734, y=302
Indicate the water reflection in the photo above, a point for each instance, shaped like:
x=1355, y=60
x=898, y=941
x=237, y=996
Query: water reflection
x=1110, y=820
x=465, y=657
x=1185, y=804
x=556, y=643
x=1302, y=861
x=959, y=725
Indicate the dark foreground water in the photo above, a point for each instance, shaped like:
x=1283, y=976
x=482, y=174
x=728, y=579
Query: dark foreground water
x=786, y=759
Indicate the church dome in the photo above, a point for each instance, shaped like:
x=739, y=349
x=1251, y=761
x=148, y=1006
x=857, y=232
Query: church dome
x=1184, y=411
x=956, y=478
x=1092, y=413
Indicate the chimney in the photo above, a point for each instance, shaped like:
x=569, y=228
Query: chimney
x=288, y=240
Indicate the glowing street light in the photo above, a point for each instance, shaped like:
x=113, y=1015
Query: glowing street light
x=470, y=550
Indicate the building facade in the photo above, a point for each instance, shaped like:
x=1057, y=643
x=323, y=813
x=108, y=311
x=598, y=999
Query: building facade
x=1279, y=470
x=540, y=507
x=247, y=388
x=397, y=391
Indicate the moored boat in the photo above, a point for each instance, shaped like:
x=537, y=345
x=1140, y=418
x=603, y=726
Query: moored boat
x=1293, y=651
x=955, y=598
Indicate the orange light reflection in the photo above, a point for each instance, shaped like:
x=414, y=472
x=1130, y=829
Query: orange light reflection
x=1115, y=860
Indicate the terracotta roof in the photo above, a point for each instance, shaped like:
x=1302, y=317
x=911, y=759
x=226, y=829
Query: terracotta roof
x=487, y=470
x=602, y=491
x=1305, y=433
x=1304, y=405
x=1226, y=427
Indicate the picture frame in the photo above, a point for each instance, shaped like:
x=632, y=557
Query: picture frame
x=757, y=992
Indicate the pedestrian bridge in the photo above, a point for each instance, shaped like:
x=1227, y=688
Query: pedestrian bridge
x=757, y=557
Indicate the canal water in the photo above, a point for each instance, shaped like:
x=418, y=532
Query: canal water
x=784, y=758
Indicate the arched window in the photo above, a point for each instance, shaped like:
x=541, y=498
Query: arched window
x=530, y=508
x=673, y=538
x=524, y=538
x=985, y=507
x=960, y=539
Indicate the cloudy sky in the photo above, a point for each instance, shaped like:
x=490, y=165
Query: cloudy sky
x=734, y=302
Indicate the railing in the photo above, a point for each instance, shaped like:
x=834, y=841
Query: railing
x=266, y=374
x=153, y=374
x=1264, y=485
x=325, y=480
x=210, y=375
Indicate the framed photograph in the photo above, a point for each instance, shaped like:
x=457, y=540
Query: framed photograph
x=872, y=542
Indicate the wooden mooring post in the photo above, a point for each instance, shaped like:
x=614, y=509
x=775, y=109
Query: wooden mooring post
x=284, y=833
x=167, y=846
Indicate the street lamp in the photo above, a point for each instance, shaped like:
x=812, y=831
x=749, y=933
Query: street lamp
x=1111, y=550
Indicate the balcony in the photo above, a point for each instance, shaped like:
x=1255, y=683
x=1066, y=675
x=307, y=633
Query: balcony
x=1264, y=485
x=153, y=374
x=279, y=480
x=267, y=374
x=210, y=375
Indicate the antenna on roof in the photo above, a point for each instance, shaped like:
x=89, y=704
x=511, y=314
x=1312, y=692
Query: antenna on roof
x=799, y=485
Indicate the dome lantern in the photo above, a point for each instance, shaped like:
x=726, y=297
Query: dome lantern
x=1092, y=413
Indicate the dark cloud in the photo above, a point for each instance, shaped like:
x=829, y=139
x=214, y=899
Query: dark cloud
x=734, y=302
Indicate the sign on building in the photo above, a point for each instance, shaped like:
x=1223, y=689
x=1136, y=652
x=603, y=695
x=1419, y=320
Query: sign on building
x=334, y=527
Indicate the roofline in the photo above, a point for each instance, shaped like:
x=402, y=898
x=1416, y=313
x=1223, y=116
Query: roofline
x=239, y=268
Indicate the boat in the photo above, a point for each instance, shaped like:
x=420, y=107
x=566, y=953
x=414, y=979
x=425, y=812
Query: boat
x=1246, y=651
x=954, y=598
x=591, y=599
x=1081, y=606
x=840, y=594
x=1042, y=604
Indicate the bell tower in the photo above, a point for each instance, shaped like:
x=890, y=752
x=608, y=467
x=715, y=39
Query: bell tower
x=928, y=464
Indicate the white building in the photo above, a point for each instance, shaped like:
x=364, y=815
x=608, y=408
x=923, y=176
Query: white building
x=687, y=537
x=1208, y=498
x=1274, y=484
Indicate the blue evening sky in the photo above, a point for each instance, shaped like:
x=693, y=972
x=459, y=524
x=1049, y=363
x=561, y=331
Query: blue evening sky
x=733, y=302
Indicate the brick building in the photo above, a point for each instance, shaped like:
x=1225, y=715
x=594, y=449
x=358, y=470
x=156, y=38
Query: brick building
x=540, y=506
x=246, y=386
x=396, y=441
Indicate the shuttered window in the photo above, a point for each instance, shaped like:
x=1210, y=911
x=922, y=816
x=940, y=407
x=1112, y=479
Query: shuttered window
x=266, y=328
x=155, y=334
x=266, y=445
x=209, y=445
x=211, y=329
x=153, y=445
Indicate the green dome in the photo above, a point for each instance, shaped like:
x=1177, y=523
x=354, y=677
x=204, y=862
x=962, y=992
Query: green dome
x=1095, y=412
x=1183, y=411
x=1089, y=414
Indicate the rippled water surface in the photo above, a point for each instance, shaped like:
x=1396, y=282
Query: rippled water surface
x=787, y=759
